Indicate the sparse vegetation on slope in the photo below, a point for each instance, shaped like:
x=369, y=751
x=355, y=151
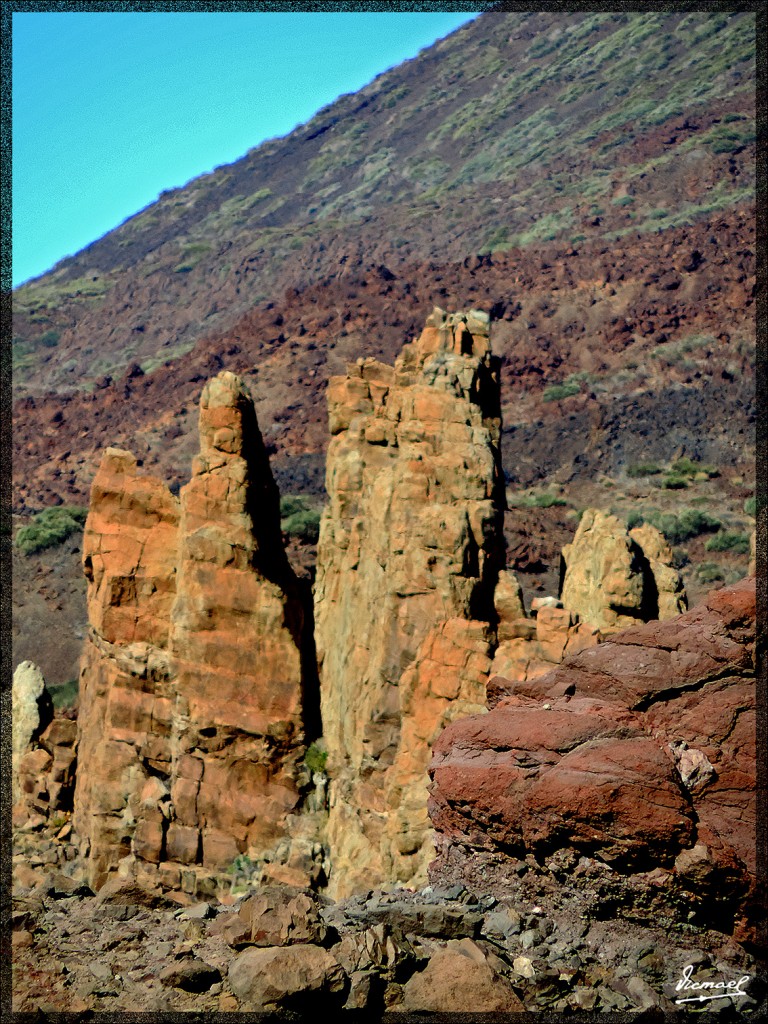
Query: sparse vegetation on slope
x=518, y=129
x=50, y=527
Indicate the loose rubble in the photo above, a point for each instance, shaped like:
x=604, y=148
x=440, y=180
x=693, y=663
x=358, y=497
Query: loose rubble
x=434, y=949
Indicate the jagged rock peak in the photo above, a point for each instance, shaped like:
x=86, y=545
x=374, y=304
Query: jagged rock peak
x=612, y=577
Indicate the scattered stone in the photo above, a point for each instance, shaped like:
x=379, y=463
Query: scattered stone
x=288, y=977
x=198, y=912
x=453, y=982
x=190, y=974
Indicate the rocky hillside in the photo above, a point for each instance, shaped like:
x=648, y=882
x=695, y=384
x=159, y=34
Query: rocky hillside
x=516, y=129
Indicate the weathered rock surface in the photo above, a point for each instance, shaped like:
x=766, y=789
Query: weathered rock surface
x=612, y=578
x=44, y=758
x=276, y=915
x=32, y=710
x=638, y=753
x=410, y=541
x=530, y=647
x=452, y=980
x=290, y=977
x=191, y=723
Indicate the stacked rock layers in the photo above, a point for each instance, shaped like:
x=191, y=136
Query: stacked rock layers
x=409, y=553
x=191, y=726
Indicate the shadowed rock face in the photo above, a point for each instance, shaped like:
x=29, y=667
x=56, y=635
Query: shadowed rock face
x=411, y=538
x=191, y=725
x=638, y=753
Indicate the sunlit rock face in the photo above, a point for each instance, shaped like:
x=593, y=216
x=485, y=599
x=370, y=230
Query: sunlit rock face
x=191, y=726
x=614, y=577
x=408, y=558
x=638, y=753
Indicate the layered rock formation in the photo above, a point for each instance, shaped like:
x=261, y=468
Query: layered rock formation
x=633, y=761
x=409, y=553
x=192, y=712
x=611, y=577
x=529, y=646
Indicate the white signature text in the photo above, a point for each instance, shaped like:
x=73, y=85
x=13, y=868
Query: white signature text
x=710, y=989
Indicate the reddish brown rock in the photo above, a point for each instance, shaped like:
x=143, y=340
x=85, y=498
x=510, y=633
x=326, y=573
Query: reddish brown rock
x=640, y=751
x=452, y=983
x=191, y=724
x=130, y=546
x=290, y=977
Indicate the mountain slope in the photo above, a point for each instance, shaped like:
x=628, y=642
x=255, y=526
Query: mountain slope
x=517, y=128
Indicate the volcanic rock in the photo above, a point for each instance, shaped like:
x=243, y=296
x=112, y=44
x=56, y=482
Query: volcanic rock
x=191, y=723
x=612, y=578
x=32, y=710
x=281, y=916
x=410, y=548
x=452, y=980
x=639, y=752
x=290, y=977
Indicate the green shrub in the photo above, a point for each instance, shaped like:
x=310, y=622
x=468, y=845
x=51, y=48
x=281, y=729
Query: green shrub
x=690, y=468
x=710, y=572
x=546, y=501
x=50, y=339
x=674, y=482
x=676, y=528
x=623, y=201
x=643, y=469
x=298, y=518
x=315, y=758
x=499, y=237
x=558, y=391
x=65, y=696
x=49, y=528
x=729, y=540
x=750, y=506
x=241, y=865
x=290, y=503
x=535, y=501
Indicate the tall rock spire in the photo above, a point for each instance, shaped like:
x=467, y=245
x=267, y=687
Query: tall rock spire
x=410, y=548
x=191, y=729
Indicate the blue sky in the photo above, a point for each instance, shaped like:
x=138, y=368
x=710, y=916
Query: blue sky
x=109, y=109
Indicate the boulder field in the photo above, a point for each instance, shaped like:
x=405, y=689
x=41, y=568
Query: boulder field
x=285, y=950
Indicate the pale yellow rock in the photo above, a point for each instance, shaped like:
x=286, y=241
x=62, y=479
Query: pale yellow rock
x=508, y=601
x=671, y=599
x=411, y=537
x=612, y=582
